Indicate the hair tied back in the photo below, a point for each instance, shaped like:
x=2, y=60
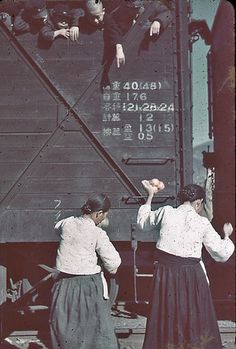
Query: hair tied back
x=86, y=209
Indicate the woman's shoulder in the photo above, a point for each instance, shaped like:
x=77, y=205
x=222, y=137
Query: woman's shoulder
x=101, y=235
x=99, y=231
x=167, y=208
x=165, y=211
x=201, y=221
x=65, y=221
x=204, y=220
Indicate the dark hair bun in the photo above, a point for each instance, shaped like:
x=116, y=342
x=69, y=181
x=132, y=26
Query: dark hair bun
x=98, y=202
x=191, y=193
x=86, y=209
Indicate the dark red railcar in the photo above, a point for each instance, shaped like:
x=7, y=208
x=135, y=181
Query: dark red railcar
x=221, y=80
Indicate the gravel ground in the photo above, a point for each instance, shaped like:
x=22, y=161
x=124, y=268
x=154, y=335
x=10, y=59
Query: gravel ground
x=133, y=341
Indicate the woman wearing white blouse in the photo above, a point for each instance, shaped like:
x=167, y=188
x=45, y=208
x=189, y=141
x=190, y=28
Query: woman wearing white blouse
x=80, y=312
x=181, y=308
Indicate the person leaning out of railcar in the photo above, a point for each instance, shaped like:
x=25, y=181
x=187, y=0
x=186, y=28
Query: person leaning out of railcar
x=117, y=23
x=62, y=22
x=97, y=16
x=6, y=19
x=8, y=11
x=31, y=17
x=161, y=17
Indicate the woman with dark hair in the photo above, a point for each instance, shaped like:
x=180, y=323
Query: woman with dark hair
x=80, y=312
x=181, y=308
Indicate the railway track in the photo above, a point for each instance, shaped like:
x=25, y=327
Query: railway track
x=130, y=330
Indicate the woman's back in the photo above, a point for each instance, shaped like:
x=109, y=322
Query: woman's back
x=182, y=231
x=81, y=241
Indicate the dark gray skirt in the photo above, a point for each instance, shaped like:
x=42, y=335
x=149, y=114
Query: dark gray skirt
x=79, y=317
x=181, y=309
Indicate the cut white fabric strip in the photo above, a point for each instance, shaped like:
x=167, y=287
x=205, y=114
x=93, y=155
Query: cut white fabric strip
x=105, y=287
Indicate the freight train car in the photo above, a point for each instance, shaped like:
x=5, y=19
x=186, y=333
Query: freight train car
x=71, y=126
x=64, y=136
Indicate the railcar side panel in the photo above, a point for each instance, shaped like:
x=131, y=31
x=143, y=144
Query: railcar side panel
x=65, y=137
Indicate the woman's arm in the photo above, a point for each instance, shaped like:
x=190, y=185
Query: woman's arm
x=150, y=189
x=220, y=249
x=147, y=218
x=107, y=252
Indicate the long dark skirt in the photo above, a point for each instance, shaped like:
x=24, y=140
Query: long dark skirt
x=80, y=318
x=182, y=315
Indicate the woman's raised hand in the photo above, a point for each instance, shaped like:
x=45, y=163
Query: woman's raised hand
x=152, y=186
x=157, y=183
x=227, y=229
